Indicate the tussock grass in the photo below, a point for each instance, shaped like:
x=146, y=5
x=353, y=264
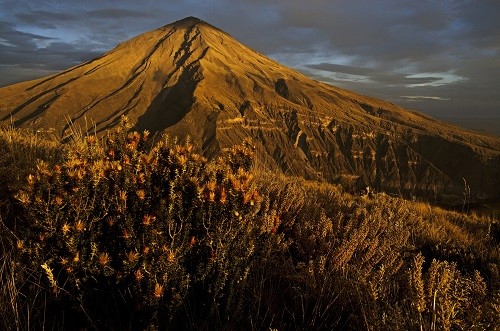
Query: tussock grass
x=19, y=151
x=114, y=233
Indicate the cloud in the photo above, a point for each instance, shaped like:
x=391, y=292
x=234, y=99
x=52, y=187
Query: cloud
x=23, y=51
x=12, y=37
x=44, y=19
x=114, y=13
x=370, y=75
x=434, y=79
x=422, y=97
x=332, y=67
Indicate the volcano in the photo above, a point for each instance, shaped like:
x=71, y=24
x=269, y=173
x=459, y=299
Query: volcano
x=191, y=79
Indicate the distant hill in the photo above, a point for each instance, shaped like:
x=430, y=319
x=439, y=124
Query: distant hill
x=483, y=125
x=189, y=78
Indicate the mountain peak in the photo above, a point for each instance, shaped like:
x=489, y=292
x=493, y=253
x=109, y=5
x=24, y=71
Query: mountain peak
x=191, y=78
x=187, y=22
x=191, y=22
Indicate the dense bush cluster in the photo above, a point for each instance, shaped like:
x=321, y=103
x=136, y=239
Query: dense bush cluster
x=115, y=218
x=114, y=233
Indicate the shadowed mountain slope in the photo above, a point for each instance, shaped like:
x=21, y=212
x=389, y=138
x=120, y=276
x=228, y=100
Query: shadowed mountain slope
x=189, y=78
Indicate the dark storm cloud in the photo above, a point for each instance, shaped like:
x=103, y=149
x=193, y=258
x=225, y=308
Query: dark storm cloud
x=481, y=18
x=436, y=56
x=44, y=19
x=21, y=50
x=54, y=57
x=111, y=13
x=387, y=34
x=411, y=51
x=10, y=36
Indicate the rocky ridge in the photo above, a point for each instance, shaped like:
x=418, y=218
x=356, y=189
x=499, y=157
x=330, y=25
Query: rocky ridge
x=189, y=78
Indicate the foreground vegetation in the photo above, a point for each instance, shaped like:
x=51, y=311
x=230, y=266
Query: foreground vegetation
x=115, y=234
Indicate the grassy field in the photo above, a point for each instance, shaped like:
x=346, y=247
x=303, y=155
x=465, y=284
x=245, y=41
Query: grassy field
x=116, y=234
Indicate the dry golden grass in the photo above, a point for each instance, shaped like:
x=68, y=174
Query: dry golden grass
x=124, y=235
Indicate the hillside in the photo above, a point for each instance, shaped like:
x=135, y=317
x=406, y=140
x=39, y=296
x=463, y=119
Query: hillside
x=191, y=79
x=112, y=234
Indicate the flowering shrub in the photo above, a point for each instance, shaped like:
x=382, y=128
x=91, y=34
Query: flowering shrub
x=149, y=223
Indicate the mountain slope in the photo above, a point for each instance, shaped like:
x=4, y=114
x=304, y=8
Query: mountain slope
x=190, y=78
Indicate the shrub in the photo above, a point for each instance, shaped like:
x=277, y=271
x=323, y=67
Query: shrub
x=443, y=299
x=145, y=227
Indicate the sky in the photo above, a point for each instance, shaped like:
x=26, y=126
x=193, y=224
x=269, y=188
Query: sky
x=439, y=57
